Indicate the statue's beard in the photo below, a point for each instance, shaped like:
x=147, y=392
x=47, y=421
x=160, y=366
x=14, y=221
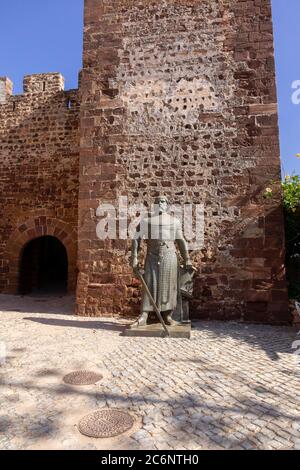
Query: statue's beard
x=161, y=211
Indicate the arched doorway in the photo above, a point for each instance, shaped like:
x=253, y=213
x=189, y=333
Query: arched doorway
x=43, y=267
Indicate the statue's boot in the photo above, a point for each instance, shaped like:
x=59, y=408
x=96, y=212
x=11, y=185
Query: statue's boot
x=141, y=321
x=167, y=317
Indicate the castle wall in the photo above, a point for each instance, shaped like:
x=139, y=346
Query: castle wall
x=179, y=97
x=39, y=148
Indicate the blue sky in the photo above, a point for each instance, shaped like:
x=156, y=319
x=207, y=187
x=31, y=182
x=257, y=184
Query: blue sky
x=46, y=35
x=39, y=36
x=286, y=15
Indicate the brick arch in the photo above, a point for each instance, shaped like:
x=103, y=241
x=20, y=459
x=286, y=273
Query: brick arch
x=36, y=227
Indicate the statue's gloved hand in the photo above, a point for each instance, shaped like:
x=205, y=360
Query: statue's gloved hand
x=138, y=272
x=188, y=265
x=134, y=263
x=136, y=268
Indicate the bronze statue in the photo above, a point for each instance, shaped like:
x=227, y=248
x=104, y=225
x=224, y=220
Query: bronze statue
x=162, y=273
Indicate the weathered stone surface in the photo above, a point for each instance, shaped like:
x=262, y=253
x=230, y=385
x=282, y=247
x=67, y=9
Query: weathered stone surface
x=39, y=148
x=179, y=97
x=6, y=88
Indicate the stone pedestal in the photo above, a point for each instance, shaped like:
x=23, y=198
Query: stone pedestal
x=156, y=331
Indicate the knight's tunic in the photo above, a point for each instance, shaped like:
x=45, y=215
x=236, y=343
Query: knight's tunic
x=162, y=265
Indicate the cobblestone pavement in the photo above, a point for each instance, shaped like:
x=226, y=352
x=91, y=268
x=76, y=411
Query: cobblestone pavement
x=232, y=386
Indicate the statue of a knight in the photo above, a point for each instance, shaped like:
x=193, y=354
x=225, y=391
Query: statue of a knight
x=163, y=234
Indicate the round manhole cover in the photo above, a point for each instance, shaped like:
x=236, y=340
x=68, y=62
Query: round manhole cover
x=82, y=377
x=106, y=423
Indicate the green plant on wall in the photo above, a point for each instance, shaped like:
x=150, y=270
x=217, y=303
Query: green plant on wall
x=290, y=193
x=291, y=202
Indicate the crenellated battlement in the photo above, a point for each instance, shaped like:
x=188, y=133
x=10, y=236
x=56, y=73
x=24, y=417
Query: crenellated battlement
x=36, y=84
x=6, y=89
x=44, y=83
x=38, y=89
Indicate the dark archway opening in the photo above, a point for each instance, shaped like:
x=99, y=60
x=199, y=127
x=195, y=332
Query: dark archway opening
x=44, y=267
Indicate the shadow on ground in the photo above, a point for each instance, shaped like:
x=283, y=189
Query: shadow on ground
x=191, y=416
x=60, y=305
x=263, y=338
x=92, y=325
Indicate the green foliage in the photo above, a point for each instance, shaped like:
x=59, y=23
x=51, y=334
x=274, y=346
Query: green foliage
x=291, y=202
x=290, y=189
x=291, y=193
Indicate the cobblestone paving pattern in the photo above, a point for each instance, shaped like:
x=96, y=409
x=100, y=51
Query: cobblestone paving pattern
x=232, y=386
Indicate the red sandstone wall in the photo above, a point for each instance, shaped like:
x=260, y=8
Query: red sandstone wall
x=39, y=151
x=179, y=97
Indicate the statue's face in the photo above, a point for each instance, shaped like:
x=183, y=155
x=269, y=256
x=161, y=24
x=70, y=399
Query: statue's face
x=162, y=205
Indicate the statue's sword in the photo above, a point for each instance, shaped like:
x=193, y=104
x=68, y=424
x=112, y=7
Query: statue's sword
x=157, y=311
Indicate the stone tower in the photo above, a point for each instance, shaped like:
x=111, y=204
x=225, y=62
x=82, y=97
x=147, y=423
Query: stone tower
x=179, y=97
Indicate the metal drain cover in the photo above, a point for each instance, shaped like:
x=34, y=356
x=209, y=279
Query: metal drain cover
x=82, y=377
x=106, y=423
